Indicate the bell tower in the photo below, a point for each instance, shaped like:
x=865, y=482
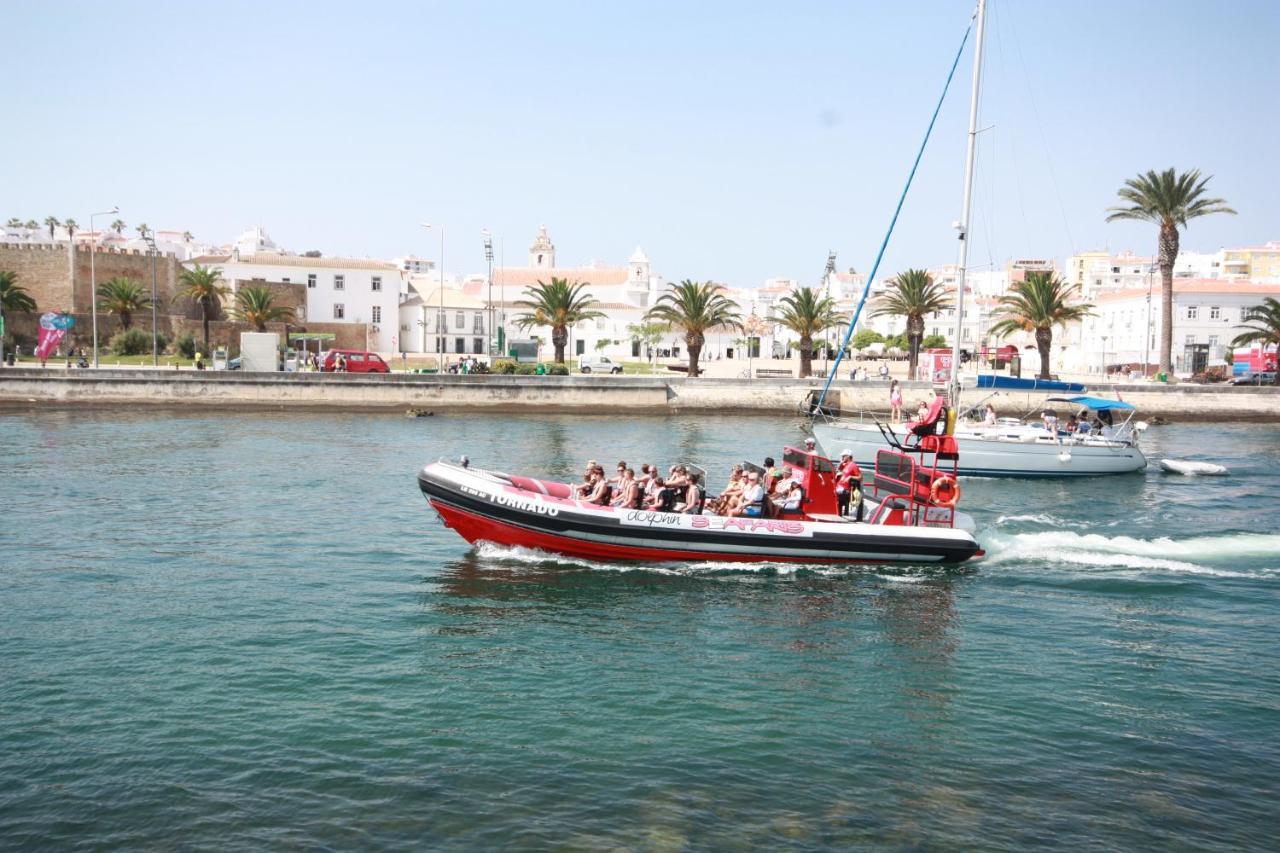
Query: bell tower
x=542, y=254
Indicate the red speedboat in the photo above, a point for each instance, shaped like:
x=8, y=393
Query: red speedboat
x=908, y=516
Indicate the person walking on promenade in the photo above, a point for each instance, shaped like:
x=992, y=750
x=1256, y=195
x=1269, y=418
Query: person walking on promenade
x=895, y=402
x=884, y=370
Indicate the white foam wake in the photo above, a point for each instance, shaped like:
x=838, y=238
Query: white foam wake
x=1163, y=553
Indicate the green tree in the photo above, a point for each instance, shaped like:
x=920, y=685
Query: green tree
x=933, y=342
x=14, y=222
x=51, y=222
x=807, y=313
x=255, y=305
x=123, y=297
x=117, y=226
x=13, y=297
x=649, y=335
x=912, y=294
x=187, y=237
x=865, y=338
x=1167, y=199
x=1038, y=304
x=143, y=230
x=32, y=224
x=558, y=305
x=1262, y=323
x=72, y=226
x=202, y=285
x=695, y=307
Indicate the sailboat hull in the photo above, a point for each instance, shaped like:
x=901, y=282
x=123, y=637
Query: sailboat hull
x=1009, y=455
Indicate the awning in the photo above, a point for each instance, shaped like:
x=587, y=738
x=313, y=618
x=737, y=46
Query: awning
x=1097, y=404
x=1010, y=383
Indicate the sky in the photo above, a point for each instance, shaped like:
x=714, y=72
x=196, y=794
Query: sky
x=733, y=141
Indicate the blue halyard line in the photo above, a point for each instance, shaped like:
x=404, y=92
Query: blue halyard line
x=872, y=277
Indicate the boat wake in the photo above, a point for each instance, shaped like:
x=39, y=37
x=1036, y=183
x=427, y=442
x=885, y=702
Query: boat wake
x=1197, y=555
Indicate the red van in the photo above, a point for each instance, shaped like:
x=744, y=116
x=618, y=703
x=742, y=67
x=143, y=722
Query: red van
x=356, y=360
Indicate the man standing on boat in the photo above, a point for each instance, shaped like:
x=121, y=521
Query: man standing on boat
x=848, y=480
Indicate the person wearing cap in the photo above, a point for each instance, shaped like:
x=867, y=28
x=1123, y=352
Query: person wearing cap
x=848, y=481
x=810, y=444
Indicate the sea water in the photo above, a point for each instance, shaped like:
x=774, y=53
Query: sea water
x=242, y=630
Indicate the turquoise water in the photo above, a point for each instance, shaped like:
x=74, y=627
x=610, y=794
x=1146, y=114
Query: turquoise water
x=229, y=631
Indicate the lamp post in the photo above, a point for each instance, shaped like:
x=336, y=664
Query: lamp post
x=440, y=318
x=155, y=350
x=488, y=256
x=93, y=279
x=1104, y=356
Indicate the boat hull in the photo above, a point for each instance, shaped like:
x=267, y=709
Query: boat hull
x=485, y=507
x=994, y=456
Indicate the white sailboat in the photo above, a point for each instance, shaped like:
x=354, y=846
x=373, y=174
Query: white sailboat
x=1009, y=448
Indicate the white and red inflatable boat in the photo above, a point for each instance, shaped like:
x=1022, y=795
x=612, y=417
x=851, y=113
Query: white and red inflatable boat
x=904, y=522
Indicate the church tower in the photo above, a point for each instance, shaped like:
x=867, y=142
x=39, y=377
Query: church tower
x=542, y=254
x=638, y=270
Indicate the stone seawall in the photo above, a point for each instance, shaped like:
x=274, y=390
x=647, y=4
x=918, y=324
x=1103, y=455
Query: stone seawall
x=25, y=386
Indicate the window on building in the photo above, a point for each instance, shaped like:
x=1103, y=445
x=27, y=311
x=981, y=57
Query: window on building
x=459, y=344
x=376, y=314
x=376, y=284
x=460, y=320
x=1244, y=313
x=1115, y=269
x=1191, y=339
x=635, y=348
x=1215, y=312
x=339, y=282
x=339, y=311
x=477, y=323
x=311, y=280
x=1193, y=311
x=967, y=335
x=579, y=346
x=600, y=323
x=285, y=280
x=1213, y=340
x=477, y=346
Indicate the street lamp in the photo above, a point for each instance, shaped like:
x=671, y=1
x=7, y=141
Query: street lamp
x=439, y=319
x=93, y=279
x=1104, y=356
x=155, y=353
x=488, y=256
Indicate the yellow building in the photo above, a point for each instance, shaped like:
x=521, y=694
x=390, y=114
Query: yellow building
x=1259, y=263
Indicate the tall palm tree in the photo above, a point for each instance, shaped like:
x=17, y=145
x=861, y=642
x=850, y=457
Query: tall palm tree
x=1038, y=304
x=1263, y=325
x=71, y=226
x=51, y=222
x=117, y=226
x=255, y=305
x=695, y=307
x=913, y=294
x=187, y=236
x=142, y=230
x=558, y=305
x=1169, y=200
x=14, y=222
x=13, y=297
x=123, y=297
x=32, y=224
x=202, y=285
x=807, y=313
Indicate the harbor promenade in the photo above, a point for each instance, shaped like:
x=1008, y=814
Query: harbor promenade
x=23, y=387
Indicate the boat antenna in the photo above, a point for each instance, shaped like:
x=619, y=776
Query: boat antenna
x=971, y=150
x=853, y=321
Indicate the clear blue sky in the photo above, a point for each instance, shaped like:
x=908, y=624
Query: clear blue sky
x=735, y=141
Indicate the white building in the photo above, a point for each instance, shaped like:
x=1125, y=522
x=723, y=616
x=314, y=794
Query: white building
x=1207, y=314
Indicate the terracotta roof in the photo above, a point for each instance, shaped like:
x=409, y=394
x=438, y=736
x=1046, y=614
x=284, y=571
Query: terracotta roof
x=278, y=260
x=453, y=298
x=529, y=276
x=206, y=260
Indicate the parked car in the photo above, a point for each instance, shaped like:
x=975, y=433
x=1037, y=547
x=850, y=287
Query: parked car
x=357, y=361
x=1266, y=377
x=598, y=364
x=233, y=364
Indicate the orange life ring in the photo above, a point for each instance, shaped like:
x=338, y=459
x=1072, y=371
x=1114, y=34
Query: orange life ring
x=952, y=495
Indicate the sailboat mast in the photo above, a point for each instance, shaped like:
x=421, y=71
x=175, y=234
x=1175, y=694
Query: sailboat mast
x=967, y=205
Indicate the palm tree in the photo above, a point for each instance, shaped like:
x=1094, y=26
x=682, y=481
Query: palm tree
x=913, y=294
x=558, y=305
x=71, y=226
x=122, y=296
x=202, y=285
x=1169, y=200
x=695, y=307
x=14, y=222
x=117, y=226
x=255, y=305
x=1265, y=328
x=187, y=236
x=13, y=297
x=51, y=222
x=32, y=224
x=807, y=313
x=1038, y=304
x=143, y=230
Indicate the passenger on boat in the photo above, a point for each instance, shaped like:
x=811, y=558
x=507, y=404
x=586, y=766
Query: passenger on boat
x=629, y=491
x=1082, y=428
x=1050, y=420
x=616, y=479
x=663, y=498
x=1073, y=426
x=794, y=497
x=769, y=468
x=600, y=488
x=691, y=500
x=810, y=444
x=729, y=495
x=848, y=481
x=989, y=419
x=751, y=502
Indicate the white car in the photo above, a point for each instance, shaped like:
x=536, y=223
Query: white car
x=598, y=364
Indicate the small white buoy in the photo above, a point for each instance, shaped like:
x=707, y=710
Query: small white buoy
x=1064, y=456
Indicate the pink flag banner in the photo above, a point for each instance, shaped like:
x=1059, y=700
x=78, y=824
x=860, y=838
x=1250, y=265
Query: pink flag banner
x=52, y=327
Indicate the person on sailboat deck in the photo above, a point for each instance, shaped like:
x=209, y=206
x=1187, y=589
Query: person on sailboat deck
x=1050, y=418
x=990, y=417
x=928, y=422
x=1073, y=426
